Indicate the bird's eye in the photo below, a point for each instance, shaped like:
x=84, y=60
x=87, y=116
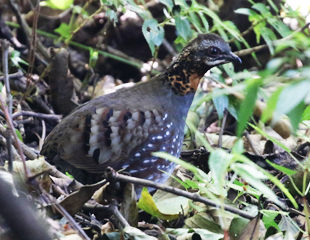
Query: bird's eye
x=213, y=51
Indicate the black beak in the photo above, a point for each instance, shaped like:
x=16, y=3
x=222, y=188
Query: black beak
x=233, y=58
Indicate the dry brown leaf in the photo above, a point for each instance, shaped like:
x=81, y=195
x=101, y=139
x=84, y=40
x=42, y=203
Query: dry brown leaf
x=75, y=201
x=251, y=230
x=129, y=208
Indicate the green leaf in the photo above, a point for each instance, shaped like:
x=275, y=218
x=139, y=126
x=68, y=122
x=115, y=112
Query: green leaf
x=204, y=21
x=285, y=170
x=19, y=135
x=247, y=105
x=166, y=209
x=238, y=147
x=218, y=21
x=261, y=8
x=183, y=27
x=273, y=5
x=244, y=11
x=181, y=3
x=219, y=161
x=220, y=103
x=192, y=184
x=292, y=96
x=257, y=30
x=199, y=174
x=255, y=18
x=237, y=226
x=278, y=25
x=80, y=10
x=69, y=175
x=184, y=164
x=115, y=3
x=203, y=220
x=93, y=58
x=232, y=109
x=153, y=33
x=16, y=60
x=59, y=4
x=295, y=115
x=268, y=36
x=193, y=117
x=64, y=30
x=112, y=15
x=111, y=236
x=289, y=225
x=195, y=21
x=168, y=3
x=253, y=176
x=273, y=66
x=184, y=184
x=269, y=217
x=131, y=5
x=135, y=234
x=306, y=114
x=271, y=105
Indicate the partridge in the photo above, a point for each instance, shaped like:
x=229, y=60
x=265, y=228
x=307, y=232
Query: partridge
x=123, y=128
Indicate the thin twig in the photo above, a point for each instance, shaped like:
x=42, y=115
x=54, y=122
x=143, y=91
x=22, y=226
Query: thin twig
x=264, y=46
x=111, y=175
x=52, y=170
x=33, y=43
x=19, y=74
x=153, y=61
x=42, y=139
x=19, y=19
x=5, y=55
x=4, y=143
x=114, y=209
x=222, y=128
x=16, y=143
x=247, y=31
x=247, y=136
x=38, y=115
x=49, y=199
x=29, y=152
x=169, y=48
x=27, y=31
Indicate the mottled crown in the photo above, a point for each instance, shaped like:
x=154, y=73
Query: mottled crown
x=204, y=41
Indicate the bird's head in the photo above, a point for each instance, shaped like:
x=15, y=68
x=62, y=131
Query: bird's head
x=210, y=50
x=199, y=56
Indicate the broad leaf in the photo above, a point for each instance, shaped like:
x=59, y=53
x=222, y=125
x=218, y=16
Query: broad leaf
x=58, y=4
x=220, y=103
x=168, y=3
x=253, y=177
x=153, y=33
x=183, y=27
x=247, y=105
x=64, y=30
x=269, y=37
x=219, y=161
x=282, y=169
x=292, y=96
x=166, y=209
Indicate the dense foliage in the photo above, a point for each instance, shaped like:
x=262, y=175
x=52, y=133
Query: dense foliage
x=256, y=149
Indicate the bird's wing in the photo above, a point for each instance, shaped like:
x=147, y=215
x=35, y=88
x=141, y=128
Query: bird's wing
x=105, y=136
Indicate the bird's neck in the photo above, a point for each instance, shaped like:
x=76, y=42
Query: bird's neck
x=183, y=76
